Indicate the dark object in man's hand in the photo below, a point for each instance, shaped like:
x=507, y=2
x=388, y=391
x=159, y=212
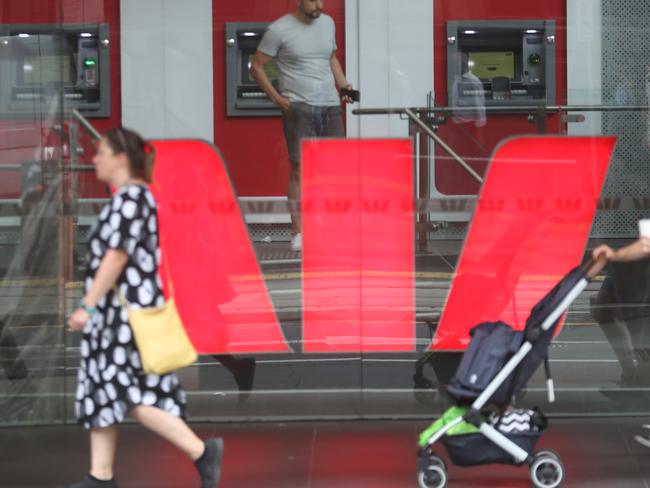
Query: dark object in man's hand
x=355, y=95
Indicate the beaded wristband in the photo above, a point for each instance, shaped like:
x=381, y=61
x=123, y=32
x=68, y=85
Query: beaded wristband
x=90, y=310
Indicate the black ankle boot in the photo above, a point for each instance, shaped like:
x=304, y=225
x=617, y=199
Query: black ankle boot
x=209, y=464
x=92, y=482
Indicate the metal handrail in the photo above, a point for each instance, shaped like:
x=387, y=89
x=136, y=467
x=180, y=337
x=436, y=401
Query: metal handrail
x=431, y=133
x=15, y=168
x=86, y=124
x=504, y=109
x=412, y=113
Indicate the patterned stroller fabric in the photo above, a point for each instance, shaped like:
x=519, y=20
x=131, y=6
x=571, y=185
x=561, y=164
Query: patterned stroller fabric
x=518, y=420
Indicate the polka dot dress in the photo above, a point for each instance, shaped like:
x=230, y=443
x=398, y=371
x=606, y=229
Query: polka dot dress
x=111, y=379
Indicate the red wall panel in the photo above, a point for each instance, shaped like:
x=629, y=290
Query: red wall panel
x=30, y=12
x=254, y=146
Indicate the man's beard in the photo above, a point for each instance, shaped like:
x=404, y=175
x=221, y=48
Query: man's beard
x=315, y=14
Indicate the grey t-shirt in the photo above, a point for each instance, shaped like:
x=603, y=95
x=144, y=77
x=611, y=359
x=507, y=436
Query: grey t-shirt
x=303, y=53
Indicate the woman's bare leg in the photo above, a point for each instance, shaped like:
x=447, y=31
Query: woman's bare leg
x=171, y=428
x=102, y=452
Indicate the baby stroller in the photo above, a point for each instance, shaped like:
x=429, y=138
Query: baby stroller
x=497, y=365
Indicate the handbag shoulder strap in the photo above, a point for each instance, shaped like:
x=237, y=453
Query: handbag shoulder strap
x=121, y=297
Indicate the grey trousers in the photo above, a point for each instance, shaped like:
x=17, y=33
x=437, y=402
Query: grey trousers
x=304, y=121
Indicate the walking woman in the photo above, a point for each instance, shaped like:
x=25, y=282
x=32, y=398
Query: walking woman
x=124, y=252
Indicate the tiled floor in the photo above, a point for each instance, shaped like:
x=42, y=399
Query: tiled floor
x=597, y=453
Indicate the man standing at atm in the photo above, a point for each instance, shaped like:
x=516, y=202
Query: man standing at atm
x=303, y=45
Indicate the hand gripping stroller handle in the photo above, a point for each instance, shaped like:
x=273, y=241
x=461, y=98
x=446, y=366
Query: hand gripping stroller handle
x=595, y=266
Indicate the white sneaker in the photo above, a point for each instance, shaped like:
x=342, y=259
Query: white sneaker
x=296, y=242
x=644, y=441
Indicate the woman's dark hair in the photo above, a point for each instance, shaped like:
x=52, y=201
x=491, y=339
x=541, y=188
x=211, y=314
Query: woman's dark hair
x=139, y=152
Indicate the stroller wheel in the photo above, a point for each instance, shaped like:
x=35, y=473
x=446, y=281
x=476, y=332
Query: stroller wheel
x=432, y=459
x=548, y=452
x=432, y=476
x=546, y=470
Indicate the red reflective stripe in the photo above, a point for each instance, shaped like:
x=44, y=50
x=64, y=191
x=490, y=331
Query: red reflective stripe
x=358, y=253
x=530, y=228
x=219, y=290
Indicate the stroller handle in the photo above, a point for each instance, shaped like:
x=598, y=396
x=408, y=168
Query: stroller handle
x=595, y=266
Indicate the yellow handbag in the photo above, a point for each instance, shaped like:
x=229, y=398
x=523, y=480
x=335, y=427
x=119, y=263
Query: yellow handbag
x=160, y=337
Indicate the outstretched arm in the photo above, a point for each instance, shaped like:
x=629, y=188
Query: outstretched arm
x=639, y=249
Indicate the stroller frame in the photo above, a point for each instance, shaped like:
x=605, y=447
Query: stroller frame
x=519, y=455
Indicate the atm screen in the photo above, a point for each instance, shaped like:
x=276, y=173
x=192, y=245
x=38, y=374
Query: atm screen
x=271, y=69
x=489, y=64
x=46, y=69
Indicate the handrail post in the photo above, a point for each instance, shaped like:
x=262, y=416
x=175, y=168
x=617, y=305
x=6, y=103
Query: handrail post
x=540, y=117
x=424, y=170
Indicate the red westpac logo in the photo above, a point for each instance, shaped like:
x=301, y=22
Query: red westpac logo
x=358, y=243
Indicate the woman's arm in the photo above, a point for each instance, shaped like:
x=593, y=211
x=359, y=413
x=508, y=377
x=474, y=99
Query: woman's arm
x=109, y=270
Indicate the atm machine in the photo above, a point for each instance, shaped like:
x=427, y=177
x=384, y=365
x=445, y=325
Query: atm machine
x=501, y=76
x=244, y=96
x=513, y=59
x=42, y=65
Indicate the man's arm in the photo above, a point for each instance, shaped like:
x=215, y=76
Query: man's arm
x=339, y=76
x=257, y=72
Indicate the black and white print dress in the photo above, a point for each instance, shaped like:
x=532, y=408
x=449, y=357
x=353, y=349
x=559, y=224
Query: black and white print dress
x=111, y=379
